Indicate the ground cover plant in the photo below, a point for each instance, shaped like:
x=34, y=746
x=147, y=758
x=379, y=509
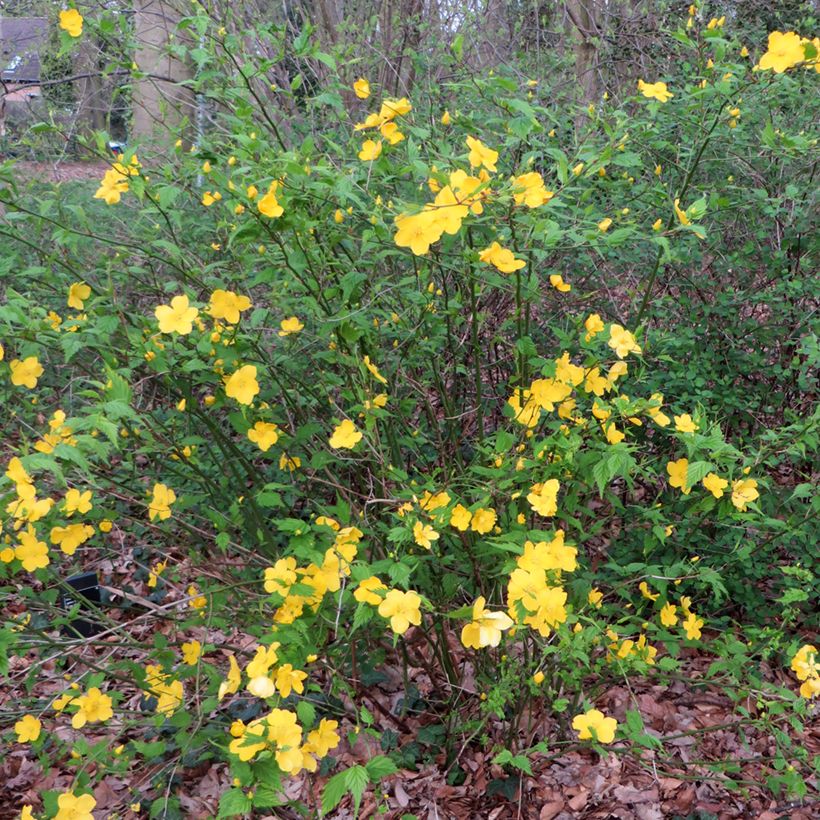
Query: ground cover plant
x=452, y=451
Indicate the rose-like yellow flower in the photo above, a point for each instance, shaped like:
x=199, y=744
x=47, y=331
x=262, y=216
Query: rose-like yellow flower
x=345, y=436
x=367, y=591
x=71, y=22
x=715, y=484
x=486, y=627
x=402, y=609
x=94, y=707
x=191, y=651
x=424, y=535
x=669, y=615
x=371, y=150
x=227, y=305
x=264, y=434
x=685, y=424
x=460, y=518
x=446, y=119
x=657, y=91
x=480, y=155
x=290, y=326
x=26, y=372
x=501, y=258
x=622, y=342
x=785, y=51
x=677, y=474
x=242, y=384
x=160, y=506
x=692, y=626
x=27, y=729
x=31, y=552
x=483, y=520
x=594, y=725
x=324, y=737
x=604, y=225
x=269, y=205
x=78, y=292
x=362, y=88
x=418, y=231
x=70, y=807
x=178, y=317
x=543, y=498
x=744, y=491
x=557, y=281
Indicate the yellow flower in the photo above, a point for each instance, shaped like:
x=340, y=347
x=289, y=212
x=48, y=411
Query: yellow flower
x=227, y=305
x=483, y=520
x=594, y=725
x=685, y=424
x=806, y=662
x=785, y=51
x=578, y=169
x=604, y=225
x=424, y=535
x=538, y=678
x=160, y=506
x=557, y=281
x=669, y=615
x=677, y=474
x=371, y=150
x=715, y=484
x=692, y=625
x=657, y=224
x=390, y=131
x=112, y=186
x=681, y=214
x=288, y=678
x=25, y=373
x=645, y=591
x=501, y=258
x=418, y=231
x=290, y=326
x=546, y=393
x=744, y=491
x=269, y=205
x=374, y=370
x=191, y=650
x=593, y=325
x=486, y=627
x=70, y=807
x=446, y=119
x=345, y=436
x=30, y=552
x=622, y=342
x=402, y=609
x=529, y=190
x=594, y=597
x=264, y=434
x=366, y=591
x=289, y=463
x=543, y=498
x=324, y=737
x=362, y=88
x=70, y=537
x=95, y=707
x=242, y=384
x=27, y=729
x=75, y=501
x=613, y=434
x=232, y=681
x=460, y=518
x=480, y=155
x=71, y=21
x=77, y=294
x=178, y=317
x=657, y=91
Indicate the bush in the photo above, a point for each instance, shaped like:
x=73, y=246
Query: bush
x=366, y=404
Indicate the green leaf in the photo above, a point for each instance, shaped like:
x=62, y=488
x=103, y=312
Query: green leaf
x=697, y=471
x=233, y=803
x=356, y=780
x=379, y=767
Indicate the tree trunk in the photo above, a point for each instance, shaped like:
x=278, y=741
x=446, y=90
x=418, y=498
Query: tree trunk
x=160, y=103
x=585, y=19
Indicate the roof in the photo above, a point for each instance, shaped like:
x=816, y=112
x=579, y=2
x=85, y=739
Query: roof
x=21, y=39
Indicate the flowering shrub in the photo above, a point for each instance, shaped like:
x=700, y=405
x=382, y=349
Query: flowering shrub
x=331, y=414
